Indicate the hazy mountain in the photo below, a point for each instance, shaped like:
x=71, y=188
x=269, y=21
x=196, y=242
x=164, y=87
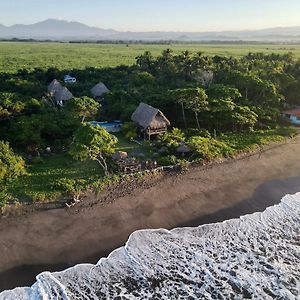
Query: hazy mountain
x=63, y=30
x=53, y=29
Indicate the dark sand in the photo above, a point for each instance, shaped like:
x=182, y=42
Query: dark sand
x=55, y=239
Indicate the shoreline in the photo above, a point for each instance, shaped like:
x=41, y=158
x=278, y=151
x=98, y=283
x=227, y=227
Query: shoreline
x=207, y=194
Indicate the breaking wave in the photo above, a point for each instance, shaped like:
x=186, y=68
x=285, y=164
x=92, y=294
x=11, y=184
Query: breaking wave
x=256, y=257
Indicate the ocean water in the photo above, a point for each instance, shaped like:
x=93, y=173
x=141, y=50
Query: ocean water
x=254, y=257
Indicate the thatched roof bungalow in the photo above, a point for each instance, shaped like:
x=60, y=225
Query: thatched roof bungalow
x=59, y=93
x=99, y=90
x=54, y=86
x=150, y=120
x=62, y=96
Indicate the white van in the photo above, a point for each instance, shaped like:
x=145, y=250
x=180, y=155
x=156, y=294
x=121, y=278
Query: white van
x=69, y=79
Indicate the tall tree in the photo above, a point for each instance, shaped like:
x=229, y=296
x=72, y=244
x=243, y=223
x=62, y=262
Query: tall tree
x=197, y=101
x=94, y=143
x=83, y=107
x=180, y=97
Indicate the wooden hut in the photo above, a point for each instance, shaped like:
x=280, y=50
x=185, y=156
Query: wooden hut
x=62, y=96
x=99, y=90
x=151, y=120
x=58, y=93
x=54, y=86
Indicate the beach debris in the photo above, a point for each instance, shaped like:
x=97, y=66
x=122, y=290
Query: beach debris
x=129, y=165
x=119, y=155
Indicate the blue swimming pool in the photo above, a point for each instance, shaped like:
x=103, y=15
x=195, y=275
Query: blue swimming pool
x=114, y=126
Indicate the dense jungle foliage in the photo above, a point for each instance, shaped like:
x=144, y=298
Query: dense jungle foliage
x=209, y=98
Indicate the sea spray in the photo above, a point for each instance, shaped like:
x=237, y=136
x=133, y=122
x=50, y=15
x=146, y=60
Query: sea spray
x=254, y=257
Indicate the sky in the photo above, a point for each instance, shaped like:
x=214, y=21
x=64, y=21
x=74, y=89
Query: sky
x=161, y=15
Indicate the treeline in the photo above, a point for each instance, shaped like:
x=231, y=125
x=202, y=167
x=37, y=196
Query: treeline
x=155, y=42
x=193, y=90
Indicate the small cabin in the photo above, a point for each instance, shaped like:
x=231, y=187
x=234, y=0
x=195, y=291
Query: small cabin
x=69, y=79
x=151, y=121
x=292, y=115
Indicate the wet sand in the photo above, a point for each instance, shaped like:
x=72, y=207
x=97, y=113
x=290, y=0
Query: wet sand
x=53, y=240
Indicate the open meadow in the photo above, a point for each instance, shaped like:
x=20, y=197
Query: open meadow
x=15, y=56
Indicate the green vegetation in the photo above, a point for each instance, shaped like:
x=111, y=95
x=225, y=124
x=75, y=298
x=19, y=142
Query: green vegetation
x=218, y=106
x=94, y=143
x=250, y=141
x=44, y=175
x=16, y=56
x=11, y=165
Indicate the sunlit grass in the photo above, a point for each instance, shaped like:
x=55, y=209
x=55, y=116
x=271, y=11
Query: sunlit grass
x=64, y=56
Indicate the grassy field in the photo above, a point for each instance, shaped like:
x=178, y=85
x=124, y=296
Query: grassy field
x=15, y=56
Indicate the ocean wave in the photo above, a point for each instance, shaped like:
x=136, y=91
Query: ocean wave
x=254, y=257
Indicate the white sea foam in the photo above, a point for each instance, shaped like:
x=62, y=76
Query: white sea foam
x=254, y=257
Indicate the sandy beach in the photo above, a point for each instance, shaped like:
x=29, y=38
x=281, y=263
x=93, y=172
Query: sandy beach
x=55, y=239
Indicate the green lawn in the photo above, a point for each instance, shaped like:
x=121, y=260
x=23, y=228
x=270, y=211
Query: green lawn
x=15, y=56
x=41, y=182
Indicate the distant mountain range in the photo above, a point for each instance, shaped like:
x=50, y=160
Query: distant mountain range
x=53, y=29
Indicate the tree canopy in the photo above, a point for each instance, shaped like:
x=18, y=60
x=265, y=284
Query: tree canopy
x=94, y=143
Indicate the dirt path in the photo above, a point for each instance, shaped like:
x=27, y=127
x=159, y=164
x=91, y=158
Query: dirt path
x=68, y=236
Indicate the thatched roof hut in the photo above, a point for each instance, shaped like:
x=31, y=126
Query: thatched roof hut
x=62, y=95
x=149, y=117
x=54, y=86
x=99, y=90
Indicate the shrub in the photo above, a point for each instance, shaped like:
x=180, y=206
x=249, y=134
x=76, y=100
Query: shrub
x=71, y=186
x=169, y=160
x=37, y=196
x=209, y=149
x=11, y=165
x=172, y=139
x=287, y=131
x=4, y=196
x=129, y=130
x=197, y=132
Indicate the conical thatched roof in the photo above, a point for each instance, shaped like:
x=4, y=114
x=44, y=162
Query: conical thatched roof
x=149, y=117
x=63, y=95
x=54, y=86
x=99, y=90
